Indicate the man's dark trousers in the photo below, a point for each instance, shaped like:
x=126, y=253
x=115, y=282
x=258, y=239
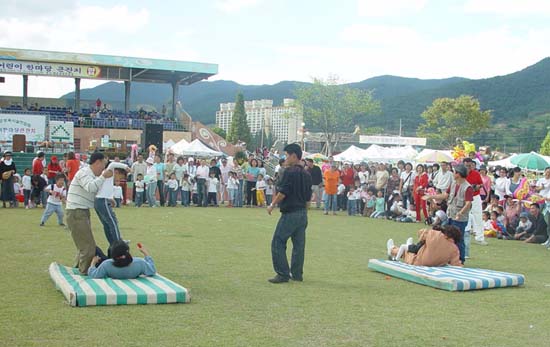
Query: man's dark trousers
x=291, y=225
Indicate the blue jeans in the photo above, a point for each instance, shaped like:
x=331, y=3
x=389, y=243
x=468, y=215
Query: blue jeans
x=139, y=198
x=232, y=193
x=172, y=193
x=268, y=198
x=331, y=202
x=201, y=192
x=352, y=207
x=160, y=186
x=50, y=209
x=185, y=197
x=151, y=198
x=118, y=201
x=239, y=196
x=461, y=226
x=291, y=225
x=104, y=211
x=27, y=196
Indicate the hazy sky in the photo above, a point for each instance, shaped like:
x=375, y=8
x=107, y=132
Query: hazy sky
x=261, y=41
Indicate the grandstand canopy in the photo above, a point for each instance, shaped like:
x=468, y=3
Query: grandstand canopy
x=97, y=66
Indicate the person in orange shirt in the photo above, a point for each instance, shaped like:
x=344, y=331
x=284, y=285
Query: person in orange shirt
x=72, y=166
x=331, y=185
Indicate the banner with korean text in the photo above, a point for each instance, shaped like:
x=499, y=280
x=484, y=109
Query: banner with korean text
x=32, y=126
x=61, y=131
x=48, y=69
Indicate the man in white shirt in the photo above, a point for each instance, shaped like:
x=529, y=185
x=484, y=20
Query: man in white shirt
x=201, y=176
x=80, y=200
x=443, y=178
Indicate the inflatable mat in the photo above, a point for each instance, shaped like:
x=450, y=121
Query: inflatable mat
x=450, y=278
x=80, y=290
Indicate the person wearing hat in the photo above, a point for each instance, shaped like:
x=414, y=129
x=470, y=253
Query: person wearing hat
x=80, y=199
x=459, y=198
x=7, y=170
x=53, y=169
x=122, y=265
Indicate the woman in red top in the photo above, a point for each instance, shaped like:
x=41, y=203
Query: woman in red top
x=347, y=176
x=53, y=169
x=72, y=165
x=419, y=187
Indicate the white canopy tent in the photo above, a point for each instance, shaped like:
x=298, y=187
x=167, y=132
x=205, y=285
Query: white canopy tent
x=168, y=144
x=503, y=163
x=198, y=149
x=352, y=154
x=179, y=147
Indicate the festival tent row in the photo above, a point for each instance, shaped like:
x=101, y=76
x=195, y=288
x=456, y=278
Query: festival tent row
x=194, y=148
x=376, y=153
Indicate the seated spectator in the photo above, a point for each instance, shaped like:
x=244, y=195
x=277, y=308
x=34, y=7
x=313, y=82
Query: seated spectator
x=512, y=209
x=537, y=233
x=440, y=218
x=435, y=247
x=524, y=223
x=122, y=265
x=408, y=216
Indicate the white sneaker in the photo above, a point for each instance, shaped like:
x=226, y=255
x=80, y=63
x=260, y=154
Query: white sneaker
x=482, y=243
x=389, y=246
x=409, y=241
x=400, y=252
x=546, y=244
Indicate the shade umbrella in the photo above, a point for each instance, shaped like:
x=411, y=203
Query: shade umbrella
x=530, y=161
x=433, y=156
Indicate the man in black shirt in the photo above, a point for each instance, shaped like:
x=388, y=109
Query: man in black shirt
x=294, y=194
x=316, y=180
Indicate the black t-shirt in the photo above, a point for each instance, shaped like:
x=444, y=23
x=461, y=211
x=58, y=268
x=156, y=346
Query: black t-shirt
x=316, y=175
x=296, y=186
x=216, y=170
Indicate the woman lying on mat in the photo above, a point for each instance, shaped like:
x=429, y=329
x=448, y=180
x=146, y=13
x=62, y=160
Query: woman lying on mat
x=122, y=265
x=435, y=247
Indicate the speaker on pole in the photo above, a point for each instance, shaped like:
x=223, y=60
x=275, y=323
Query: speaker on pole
x=152, y=135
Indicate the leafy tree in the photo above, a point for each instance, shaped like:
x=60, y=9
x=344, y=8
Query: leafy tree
x=545, y=146
x=333, y=108
x=447, y=119
x=239, y=130
x=219, y=131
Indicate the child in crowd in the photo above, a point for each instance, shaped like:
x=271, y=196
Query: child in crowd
x=140, y=189
x=379, y=208
x=440, y=218
x=493, y=204
x=232, y=186
x=487, y=225
x=260, y=190
x=185, y=185
x=173, y=186
x=38, y=184
x=27, y=188
x=117, y=194
x=194, y=193
x=212, y=189
x=269, y=191
x=17, y=189
x=56, y=195
x=512, y=210
x=352, y=202
x=370, y=203
x=341, y=195
x=43, y=194
x=409, y=216
x=396, y=206
x=501, y=217
x=524, y=223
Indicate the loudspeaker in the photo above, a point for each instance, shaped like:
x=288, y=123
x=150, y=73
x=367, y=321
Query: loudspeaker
x=18, y=144
x=152, y=135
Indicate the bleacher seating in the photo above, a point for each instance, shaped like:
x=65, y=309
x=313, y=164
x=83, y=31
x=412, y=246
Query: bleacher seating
x=88, y=118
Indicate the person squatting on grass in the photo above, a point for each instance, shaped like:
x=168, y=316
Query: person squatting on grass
x=122, y=265
x=435, y=247
x=56, y=195
x=80, y=199
x=293, y=197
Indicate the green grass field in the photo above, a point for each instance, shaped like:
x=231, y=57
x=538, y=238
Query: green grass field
x=223, y=256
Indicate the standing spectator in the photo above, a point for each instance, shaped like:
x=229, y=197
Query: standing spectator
x=72, y=165
x=26, y=181
x=168, y=170
x=53, y=169
x=392, y=186
x=293, y=198
x=502, y=185
x=316, y=181
x=252, y=173
x=159, y=166
x=203, y=172
x=213, y=184
x=331, y=189
x=80, y=199
x=419, y=188
x=476, y=221
x=240, y=179
x=224, y=169
x=151, y=182
x=218, y=173
x=139, y=187
x=7, y=170
x=382, y=177
x=485, y=192
x=139, y=167
x=406, y=184
x=180, y=169
x=38, y=164
x=98, y=104
x=443, y=178
x=173, y=188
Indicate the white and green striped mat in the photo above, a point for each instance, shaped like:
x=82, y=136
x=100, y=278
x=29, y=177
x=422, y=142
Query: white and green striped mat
x=83, y=291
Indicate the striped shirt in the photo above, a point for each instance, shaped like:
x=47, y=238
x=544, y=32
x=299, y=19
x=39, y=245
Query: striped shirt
x=83, y=189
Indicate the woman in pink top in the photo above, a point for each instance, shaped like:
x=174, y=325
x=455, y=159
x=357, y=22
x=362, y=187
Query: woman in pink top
x=485, y=192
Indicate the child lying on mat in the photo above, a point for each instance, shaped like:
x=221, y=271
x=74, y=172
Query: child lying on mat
x=435, y=247
x=122, y=265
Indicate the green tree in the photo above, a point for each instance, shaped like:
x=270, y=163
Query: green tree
x=447, y=119
x=239, y=130
x=545, y=146
x=333, y=108
x=219, y=131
